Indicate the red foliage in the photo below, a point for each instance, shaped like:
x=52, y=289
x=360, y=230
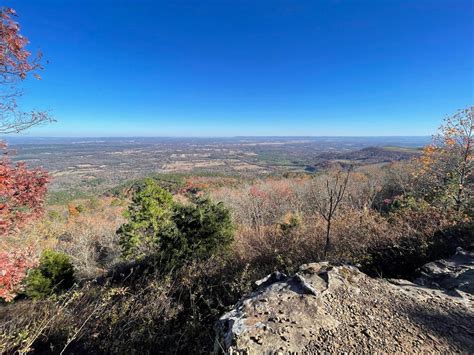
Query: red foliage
x=22, y=193
x=14, y=58
x=16, y=62
x=205, y=183
x=256, y=192
x=22, y=190
x=13, y=268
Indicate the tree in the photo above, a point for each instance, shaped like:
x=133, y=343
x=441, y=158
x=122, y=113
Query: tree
x=174, y=232
x=16, y=63
x=327, y=199
x=447, y=163
x=54, y=273
x=22, y=191
x=204, y=228
x=149, y=217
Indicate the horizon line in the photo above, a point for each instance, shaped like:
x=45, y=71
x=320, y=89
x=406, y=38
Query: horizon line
x=240, y=136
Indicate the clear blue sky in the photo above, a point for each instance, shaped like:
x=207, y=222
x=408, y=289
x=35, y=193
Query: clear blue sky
x=226, y=68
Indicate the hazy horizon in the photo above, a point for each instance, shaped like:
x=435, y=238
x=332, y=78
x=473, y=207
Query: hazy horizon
x=22, y=136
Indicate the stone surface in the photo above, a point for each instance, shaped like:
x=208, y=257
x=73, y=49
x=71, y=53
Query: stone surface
x=326, y=308
x=454, y=274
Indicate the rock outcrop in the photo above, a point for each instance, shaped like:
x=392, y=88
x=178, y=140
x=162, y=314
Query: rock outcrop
x=453, y=275
x=327, y=308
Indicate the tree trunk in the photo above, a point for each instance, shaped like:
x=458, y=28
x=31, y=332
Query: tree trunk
x=462, y=177
x=328, y=239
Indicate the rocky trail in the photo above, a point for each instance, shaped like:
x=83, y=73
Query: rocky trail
x=329, y=308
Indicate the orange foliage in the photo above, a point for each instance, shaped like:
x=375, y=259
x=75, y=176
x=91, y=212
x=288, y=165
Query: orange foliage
x=73, y=211
x=448, y=160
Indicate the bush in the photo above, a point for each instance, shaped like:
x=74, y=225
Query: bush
x=55, y=273
x=14, y=265
x=149, y=217
x=171, y=231
x=93, y=204
x=203, y=229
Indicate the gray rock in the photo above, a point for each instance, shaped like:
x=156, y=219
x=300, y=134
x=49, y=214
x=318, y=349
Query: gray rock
x=325, y=308
x=455, y=273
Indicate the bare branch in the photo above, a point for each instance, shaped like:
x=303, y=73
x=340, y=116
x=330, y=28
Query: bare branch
x=16, y=63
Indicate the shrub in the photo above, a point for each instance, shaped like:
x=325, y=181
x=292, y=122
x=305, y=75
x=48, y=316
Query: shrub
x=72, y=210
x=54, y=215
x=13, y=268
x=171, y=231
x=203, y=228
x=91, y=241
x=149, y=216
x=117, y=202
x=55, y=273
x=93, y=204
x=22, y=193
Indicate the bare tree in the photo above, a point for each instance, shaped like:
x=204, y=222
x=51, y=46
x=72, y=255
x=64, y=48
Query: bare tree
x=328, y=198
x=15, y=64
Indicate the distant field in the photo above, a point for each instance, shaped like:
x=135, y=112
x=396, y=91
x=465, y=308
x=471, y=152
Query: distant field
x=96, y=164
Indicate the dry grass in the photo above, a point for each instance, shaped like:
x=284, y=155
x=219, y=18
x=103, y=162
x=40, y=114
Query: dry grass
x=88, y=237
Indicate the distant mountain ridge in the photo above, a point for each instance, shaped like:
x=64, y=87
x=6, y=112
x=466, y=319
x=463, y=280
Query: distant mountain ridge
x=369, y=155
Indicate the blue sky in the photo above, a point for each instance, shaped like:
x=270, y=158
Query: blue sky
x=226, y=68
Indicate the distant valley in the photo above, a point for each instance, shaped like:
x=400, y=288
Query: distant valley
x=100, y=163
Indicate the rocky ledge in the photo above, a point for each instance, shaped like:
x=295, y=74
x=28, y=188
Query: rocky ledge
x=328, y=308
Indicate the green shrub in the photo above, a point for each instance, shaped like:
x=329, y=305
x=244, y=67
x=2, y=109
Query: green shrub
x=55, y=273
x=93, y=204
x=149, y=216
x=54, y=215
x=203, y=229
x=174, y=232
x=117, y=202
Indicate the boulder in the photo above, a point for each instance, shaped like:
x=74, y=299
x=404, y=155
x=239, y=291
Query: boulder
x=454, y=274
x=337, y=308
